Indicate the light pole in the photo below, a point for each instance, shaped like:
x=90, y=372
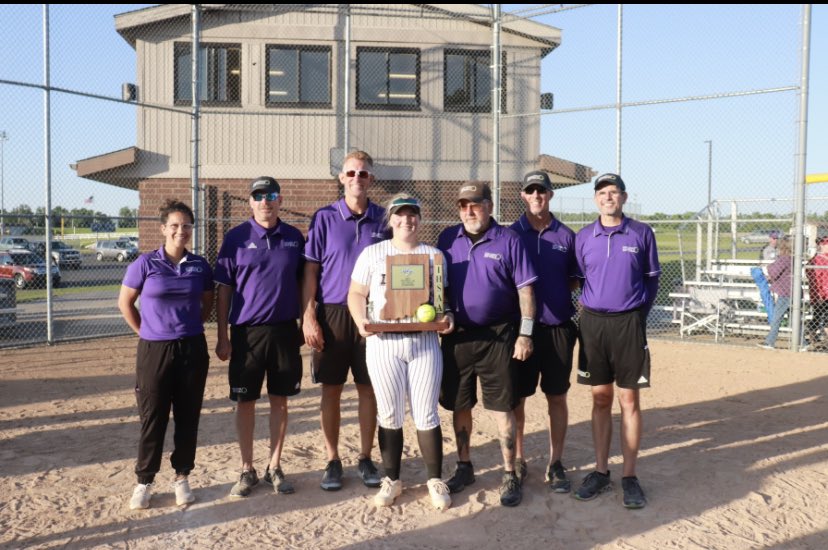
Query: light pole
x=3, y=139
x=709, y=173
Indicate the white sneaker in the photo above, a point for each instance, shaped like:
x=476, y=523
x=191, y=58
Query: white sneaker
x=141, y=496
x=183, y=494
x=439, y=492
x=388, y=493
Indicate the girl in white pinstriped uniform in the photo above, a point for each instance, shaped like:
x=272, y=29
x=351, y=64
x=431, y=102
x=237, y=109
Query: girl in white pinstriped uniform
x=401, y=364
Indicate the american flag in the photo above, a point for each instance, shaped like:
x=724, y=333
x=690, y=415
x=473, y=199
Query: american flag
x=90, y=200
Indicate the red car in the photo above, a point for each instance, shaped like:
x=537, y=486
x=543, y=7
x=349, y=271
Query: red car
x=26, y=269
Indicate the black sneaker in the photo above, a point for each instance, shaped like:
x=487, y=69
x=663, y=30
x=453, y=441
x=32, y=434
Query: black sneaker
x=332, y=480
x=368, y=473
x=462, y=476
x=556, y=478
x=276, y=477
x=521, y=470
x=633, y=494
x=593, y=485
x=510, y=492
x=247, y=480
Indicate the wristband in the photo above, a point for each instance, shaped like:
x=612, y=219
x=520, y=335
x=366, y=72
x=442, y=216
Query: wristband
x=527, y=324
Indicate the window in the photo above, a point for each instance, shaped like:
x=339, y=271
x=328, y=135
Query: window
x=220, y=78
x=467, y=82
x=298, y=76
x=388, y=79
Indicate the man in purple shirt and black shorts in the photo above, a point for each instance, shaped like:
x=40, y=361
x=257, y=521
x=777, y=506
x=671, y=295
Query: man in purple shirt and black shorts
x=257, y=272
x=338, y=233
x=551, y=246
x=619, y=262
x=490, y=292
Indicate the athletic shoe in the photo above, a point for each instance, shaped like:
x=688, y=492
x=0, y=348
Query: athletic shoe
x=247, y=480
x=368, y=473
x=510, y=492
x=593, y=485
x=556, y=478
x=521, y=470
x=389, y=491
x=439, y=492
x=462, y=476
x=765, y=346
x=141, y=496
x=332, y=480
x=281, y=485
x=633, y=494
x=183, y=494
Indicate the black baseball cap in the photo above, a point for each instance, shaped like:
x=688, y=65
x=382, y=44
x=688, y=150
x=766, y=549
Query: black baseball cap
x=610, y=179
x=264, y=184
x=537, y=177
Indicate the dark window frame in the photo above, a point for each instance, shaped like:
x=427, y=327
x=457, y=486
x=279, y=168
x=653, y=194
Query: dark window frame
x=185, y=48
x=388, y=106
x=476, y=54
x=298, y=104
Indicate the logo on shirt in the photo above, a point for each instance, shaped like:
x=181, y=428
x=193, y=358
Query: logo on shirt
x=493, y=256
x=193, y=269
x=252, y=245
x=633, y=249
x=560, y=248
x=290, y=244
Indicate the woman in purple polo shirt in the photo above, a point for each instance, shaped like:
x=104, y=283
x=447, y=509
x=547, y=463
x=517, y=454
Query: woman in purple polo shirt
x=176, y=291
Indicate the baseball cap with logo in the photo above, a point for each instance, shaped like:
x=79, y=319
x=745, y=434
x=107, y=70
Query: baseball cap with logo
x=474, y=191
x=402, y=202
x=264, y=184
x=610, y=179
x=537, y=177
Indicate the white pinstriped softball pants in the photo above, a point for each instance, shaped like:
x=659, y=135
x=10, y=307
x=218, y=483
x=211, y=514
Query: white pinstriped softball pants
x=405, y=366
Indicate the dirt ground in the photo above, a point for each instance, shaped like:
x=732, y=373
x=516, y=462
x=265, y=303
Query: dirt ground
x=734, y=455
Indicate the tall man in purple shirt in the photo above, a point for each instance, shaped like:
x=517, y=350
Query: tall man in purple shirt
x=490, y=292
x=551, y=246
x=257, y=272
x=619, y=262
x=338, y=233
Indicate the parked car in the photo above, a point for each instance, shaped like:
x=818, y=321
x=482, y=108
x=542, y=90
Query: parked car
x=8, y=303
x=63, y=254
x=104, y=226
x=760, y=236
x=26, y=268
x=130, y=239
x=19, y=243
x=119, y=250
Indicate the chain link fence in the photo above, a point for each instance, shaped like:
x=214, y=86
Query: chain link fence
x=702, y=127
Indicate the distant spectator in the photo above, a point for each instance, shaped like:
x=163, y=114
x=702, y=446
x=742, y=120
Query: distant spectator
x=779, y=275
x=818, y=291
x=770, y=250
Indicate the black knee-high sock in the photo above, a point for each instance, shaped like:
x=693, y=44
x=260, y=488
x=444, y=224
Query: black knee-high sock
x=431, y=445
x=391, y=446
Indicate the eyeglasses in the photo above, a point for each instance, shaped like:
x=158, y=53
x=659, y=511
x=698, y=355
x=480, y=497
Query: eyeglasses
x=259, y=197
x=362, y=174
x=182, y=227
x=532, y=189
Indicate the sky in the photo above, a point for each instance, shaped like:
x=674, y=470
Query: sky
x=669, y=52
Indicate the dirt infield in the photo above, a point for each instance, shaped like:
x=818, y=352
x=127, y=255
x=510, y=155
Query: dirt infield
x=735, y=455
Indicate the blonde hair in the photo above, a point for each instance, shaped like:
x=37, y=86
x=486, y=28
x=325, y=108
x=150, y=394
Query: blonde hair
x=359, y=155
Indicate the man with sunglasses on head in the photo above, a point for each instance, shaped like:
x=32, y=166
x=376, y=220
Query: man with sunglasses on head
x=490, y=293
x=338, y=233
x=258, y=271
x=551, y=246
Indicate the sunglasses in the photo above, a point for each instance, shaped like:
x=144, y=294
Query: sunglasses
x=259, y=197
x=362, y=174
x=532, y=189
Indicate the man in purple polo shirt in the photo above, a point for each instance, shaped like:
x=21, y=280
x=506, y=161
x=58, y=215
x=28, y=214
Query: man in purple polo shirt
x=490, y=292
x=338, y=233
x=257, y=271
x=551, y=246
x=619, y=262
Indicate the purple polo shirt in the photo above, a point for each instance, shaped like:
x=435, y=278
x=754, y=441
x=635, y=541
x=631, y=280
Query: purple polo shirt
x=552, y=251
x=619, y=265
x=335, y=239
x=170, y=302
x=484, y=277
x=264, y=267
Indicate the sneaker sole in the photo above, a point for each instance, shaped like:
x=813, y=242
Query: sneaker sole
x=576, y=496
x=635, y=505
x=131, y=507
x=511, y=504
x=460, y=489
x=184, y=502
x=372, y=484
x=561, y=490
x=330, y=487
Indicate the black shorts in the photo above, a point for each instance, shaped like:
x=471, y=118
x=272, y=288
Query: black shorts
x=271, y=349
x=551, y=360
x=344, y=348
x=614, y=349
x=470, y=353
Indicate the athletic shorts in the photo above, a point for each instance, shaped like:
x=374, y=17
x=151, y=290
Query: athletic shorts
x=614, y=349
x=551, y=360
x=344, y=348
x=265, y=349
x=470, y=353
